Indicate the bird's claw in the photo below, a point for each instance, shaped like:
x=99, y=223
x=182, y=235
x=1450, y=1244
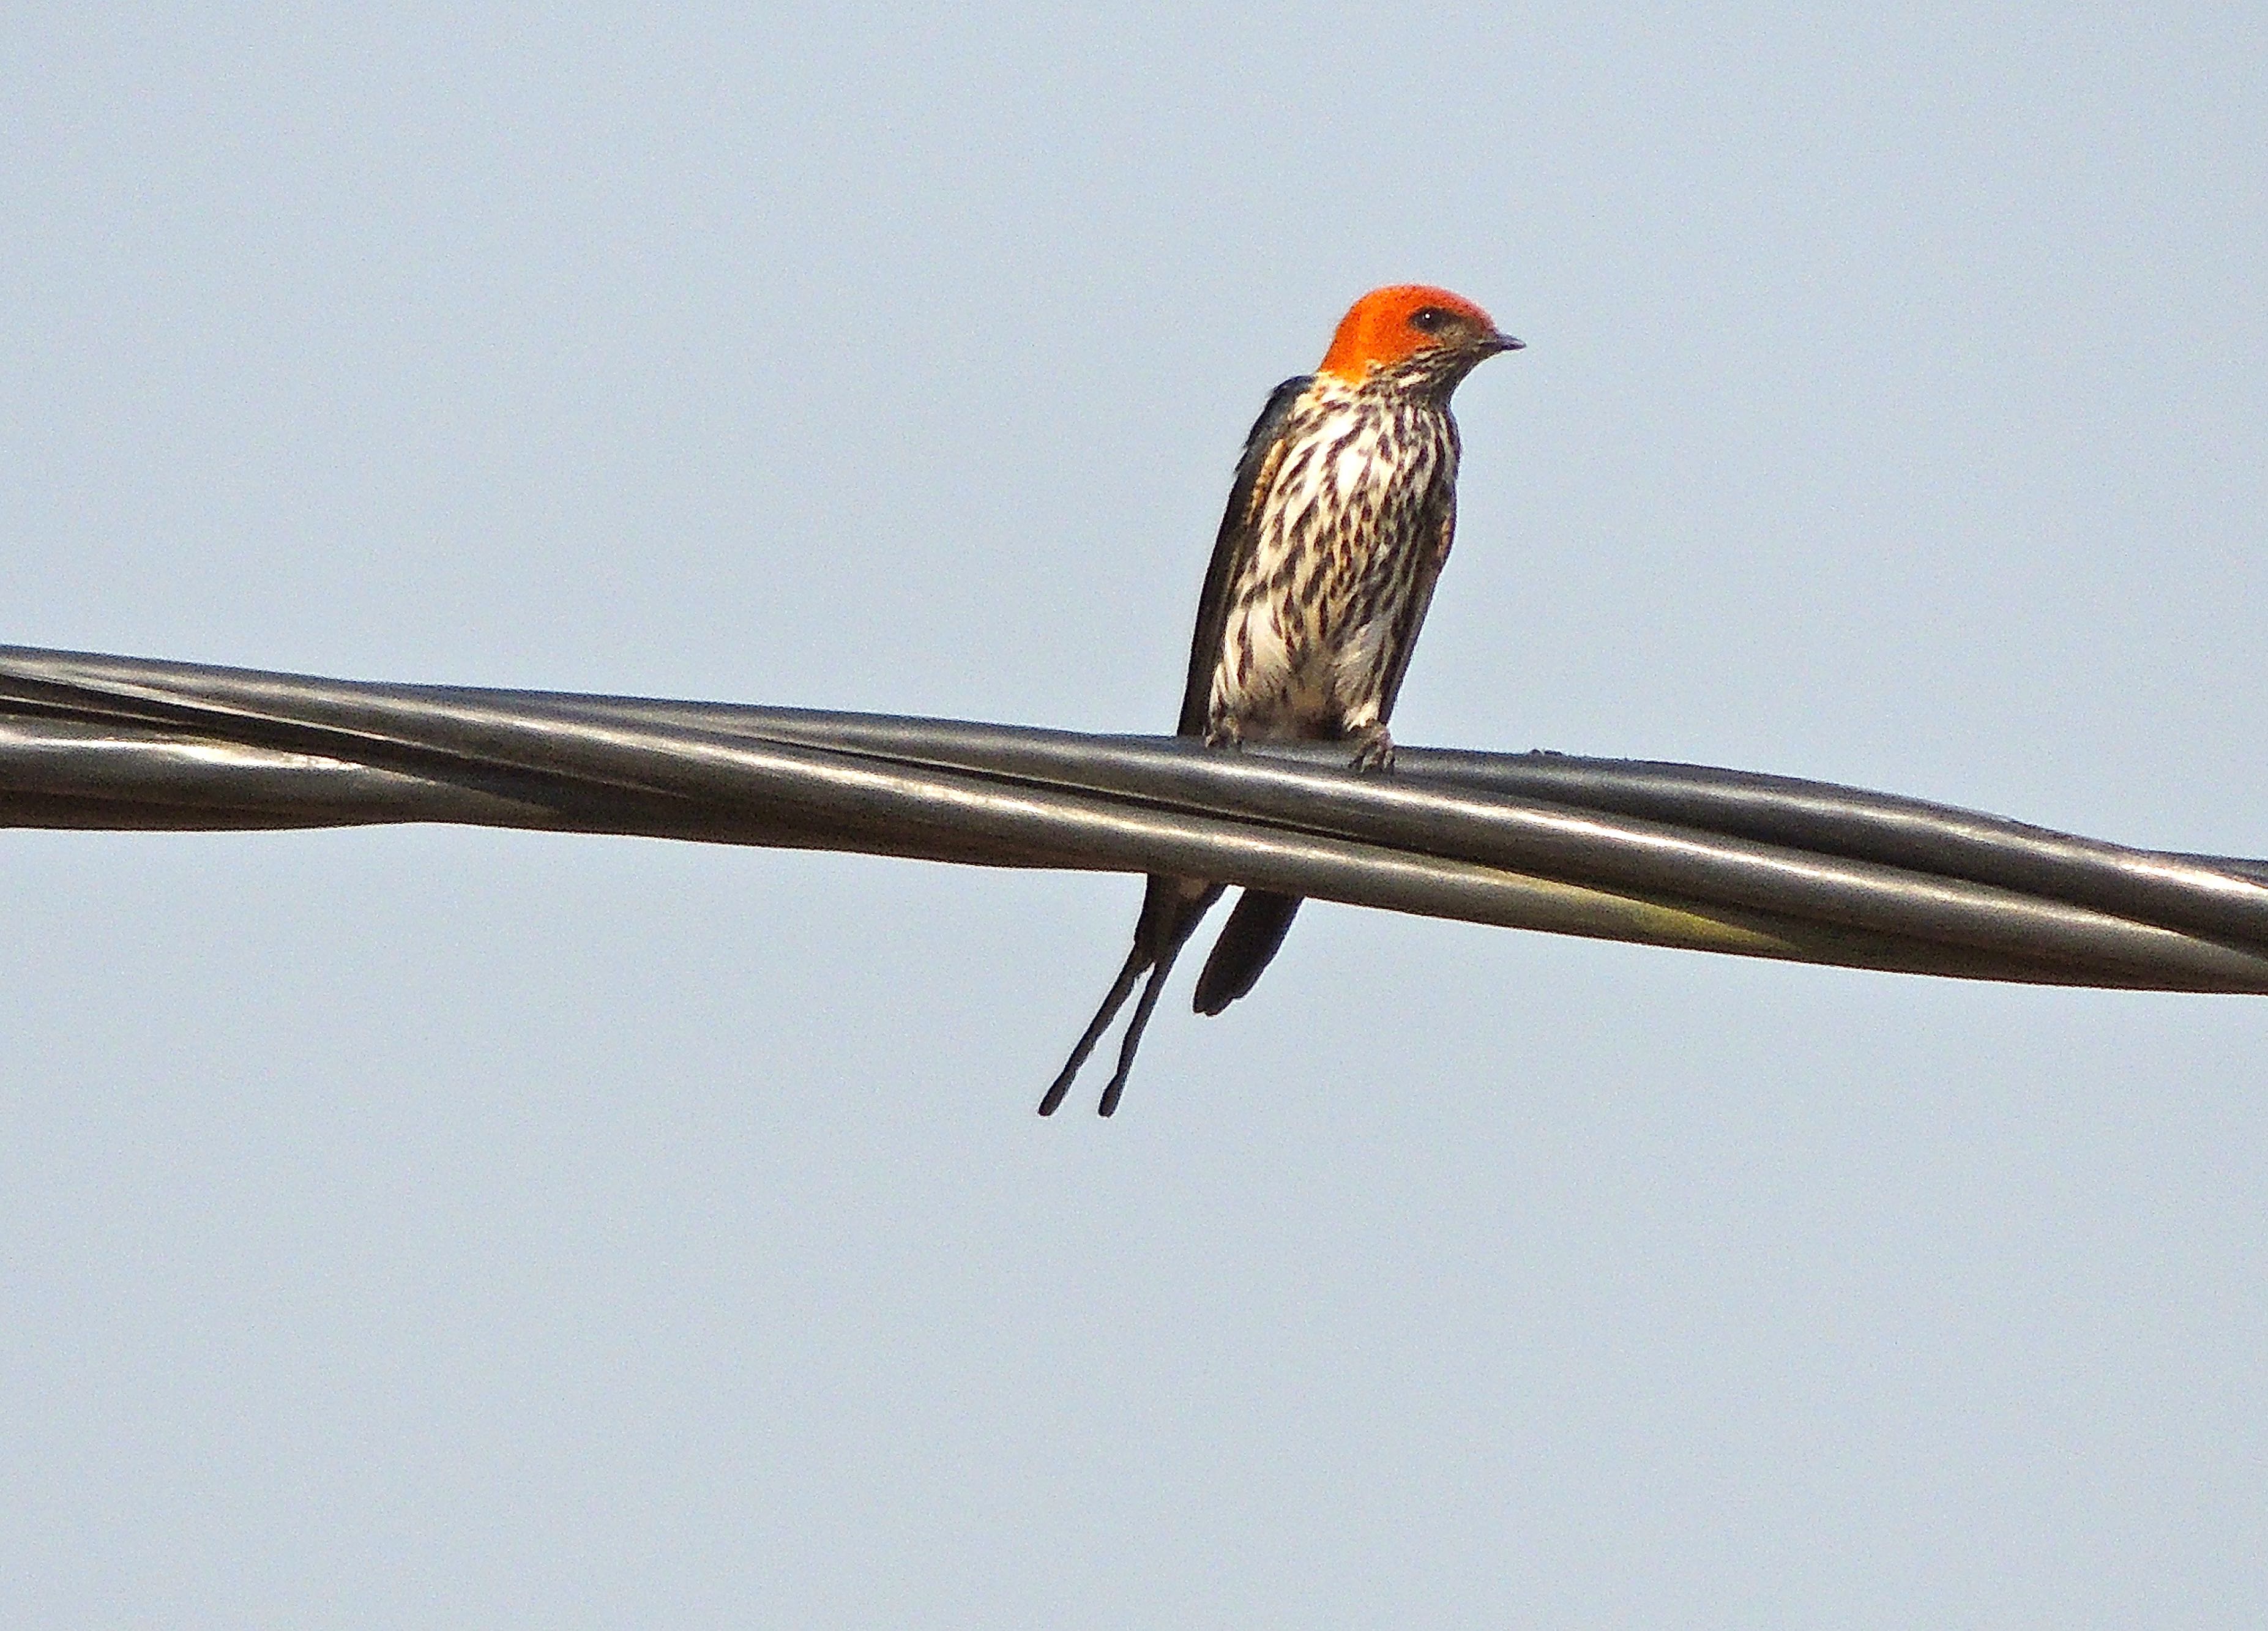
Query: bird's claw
x=1373, y=753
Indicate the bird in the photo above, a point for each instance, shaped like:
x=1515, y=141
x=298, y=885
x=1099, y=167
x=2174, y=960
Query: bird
x=1339, y=519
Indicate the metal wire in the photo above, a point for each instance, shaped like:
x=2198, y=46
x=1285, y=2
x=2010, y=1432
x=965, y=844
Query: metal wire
x=1665, y=854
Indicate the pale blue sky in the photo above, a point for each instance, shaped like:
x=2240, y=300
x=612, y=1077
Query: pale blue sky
x=432, y=1227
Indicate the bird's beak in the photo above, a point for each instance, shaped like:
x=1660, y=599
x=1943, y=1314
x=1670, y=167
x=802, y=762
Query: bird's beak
x=1505, y=342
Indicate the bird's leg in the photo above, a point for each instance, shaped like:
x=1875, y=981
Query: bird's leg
x=1225, y=732
x=1374, y=749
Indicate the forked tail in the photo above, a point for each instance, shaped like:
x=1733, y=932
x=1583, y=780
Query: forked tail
x=1168, y=918
x=1136, y=960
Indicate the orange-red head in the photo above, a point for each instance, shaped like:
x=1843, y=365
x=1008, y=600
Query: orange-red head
x=1406, y=323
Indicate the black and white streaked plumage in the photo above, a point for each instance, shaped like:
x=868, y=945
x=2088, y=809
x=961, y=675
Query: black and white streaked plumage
x=1338, y=523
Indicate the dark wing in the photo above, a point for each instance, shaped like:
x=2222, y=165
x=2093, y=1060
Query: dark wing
x=1239, y=531
x=1439, y=522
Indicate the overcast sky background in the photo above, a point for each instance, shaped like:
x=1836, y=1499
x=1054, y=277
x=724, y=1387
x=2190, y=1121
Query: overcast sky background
x=438, y=1227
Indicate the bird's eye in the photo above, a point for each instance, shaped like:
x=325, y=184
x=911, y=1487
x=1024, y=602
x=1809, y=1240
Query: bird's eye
x=1427, y=319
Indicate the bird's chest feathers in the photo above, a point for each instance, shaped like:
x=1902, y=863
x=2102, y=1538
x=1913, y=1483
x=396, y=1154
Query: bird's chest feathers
x=1349, y=525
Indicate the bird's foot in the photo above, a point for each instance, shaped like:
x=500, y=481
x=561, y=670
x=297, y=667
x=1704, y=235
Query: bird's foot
x=1373, y=751
x=1225, y=734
